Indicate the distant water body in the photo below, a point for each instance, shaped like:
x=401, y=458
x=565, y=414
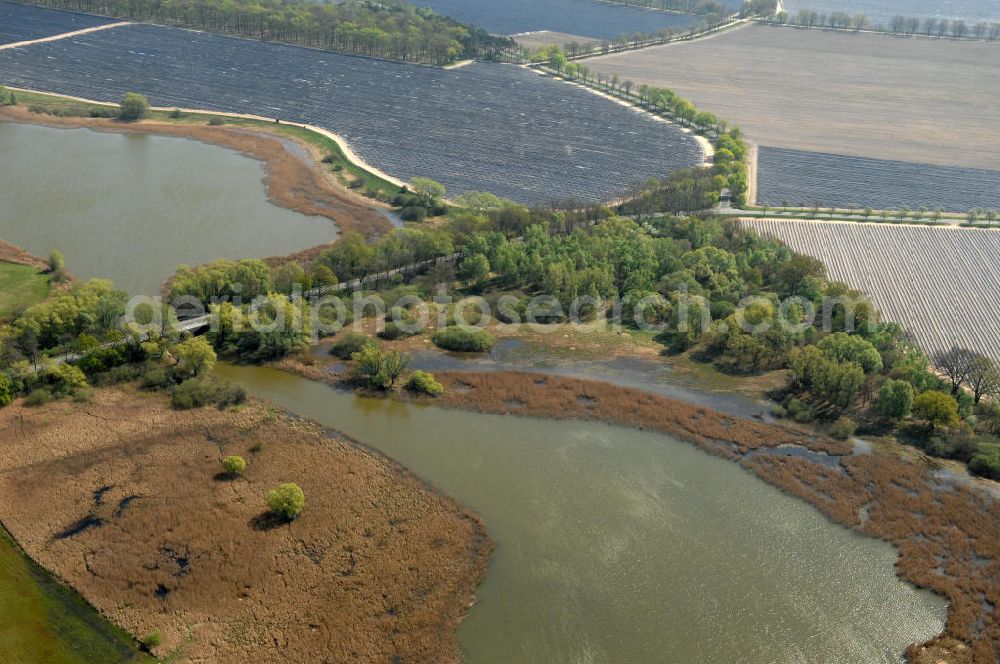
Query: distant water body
x=576, y=17
x=882, y=11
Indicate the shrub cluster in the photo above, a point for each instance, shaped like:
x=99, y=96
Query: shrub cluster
x=465, y=339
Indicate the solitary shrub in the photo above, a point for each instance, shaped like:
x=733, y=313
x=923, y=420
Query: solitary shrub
x=392, y=331
x=133, y=107
x=465, y=339
x=234, y=465
x=843, y=428
x=176, y=113
x=192, y=393
x=986, y=462
x=216, y=121
x=287, y=501
x=156, y=378
x=6, y=391
x=198, y=392
x=348, y=345
x=424, y=383
x=413, y=213
x=152, y=640
x=39, y=397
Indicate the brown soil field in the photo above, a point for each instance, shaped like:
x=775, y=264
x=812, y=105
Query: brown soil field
x=293, y=182
x=947, y=532
x=909, y=99
x=123, y=499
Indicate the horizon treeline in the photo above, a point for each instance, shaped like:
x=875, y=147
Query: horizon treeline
x=900, y=25
x=390, y=29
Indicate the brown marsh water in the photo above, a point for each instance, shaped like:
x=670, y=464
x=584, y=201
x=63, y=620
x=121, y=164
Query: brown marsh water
x=616, y=545
x=131, y=207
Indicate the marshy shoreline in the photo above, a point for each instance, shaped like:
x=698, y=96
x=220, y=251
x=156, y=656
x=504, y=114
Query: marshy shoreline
x=291, y=180
x=945, y=531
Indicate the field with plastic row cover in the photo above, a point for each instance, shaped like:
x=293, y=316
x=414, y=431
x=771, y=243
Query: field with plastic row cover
x=942, y=284
x=499, y=128
x=24, y=23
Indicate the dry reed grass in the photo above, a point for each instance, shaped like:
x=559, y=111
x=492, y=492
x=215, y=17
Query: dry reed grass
x=379, y=568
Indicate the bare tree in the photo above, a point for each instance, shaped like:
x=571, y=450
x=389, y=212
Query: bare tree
x=956, y=365
x=984, y=377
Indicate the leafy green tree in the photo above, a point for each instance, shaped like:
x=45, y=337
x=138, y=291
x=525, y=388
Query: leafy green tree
x=474, y=269
x=6, y=390
x=234, y=466
x=194, y=357
x=937, y=409
x=133, y=107
x=895, y=400
x=429, y=191
x=287, y=501
x=377, y=368
x=557, y=60
x=844, y=347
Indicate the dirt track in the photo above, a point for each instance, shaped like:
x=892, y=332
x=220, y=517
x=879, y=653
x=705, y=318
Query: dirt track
x=378, y=566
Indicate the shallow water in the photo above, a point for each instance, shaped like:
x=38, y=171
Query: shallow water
x=131, y=207
x=616, y=545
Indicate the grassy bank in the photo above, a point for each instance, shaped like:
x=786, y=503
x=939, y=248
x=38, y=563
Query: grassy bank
x=20, y=287
x=46, y=621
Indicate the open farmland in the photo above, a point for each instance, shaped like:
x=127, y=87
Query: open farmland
x=882, y=11
x=22, y=23
x=805, y=178
x=942, y=284
x=499, y=128
x=923, y=101
x=577, y=17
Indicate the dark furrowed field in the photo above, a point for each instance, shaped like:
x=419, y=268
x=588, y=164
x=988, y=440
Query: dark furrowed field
x=578, y=17
x=941, y=284
x=22, y=23
x=806, y=178
x=499, y=128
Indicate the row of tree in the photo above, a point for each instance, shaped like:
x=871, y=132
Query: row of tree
x=392, y=29
x=902, y=25
x=730, y=168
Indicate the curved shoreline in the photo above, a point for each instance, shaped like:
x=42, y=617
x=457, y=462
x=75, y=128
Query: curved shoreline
x=880, y=494
x=291, y=181
x=398, y=590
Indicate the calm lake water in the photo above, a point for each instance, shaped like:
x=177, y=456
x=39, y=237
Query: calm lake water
x=131, y=208
x=615, y=545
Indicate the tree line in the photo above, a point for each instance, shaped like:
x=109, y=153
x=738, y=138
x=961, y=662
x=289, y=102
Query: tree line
x=390, y=29
x=901, y=25
x=729, y=170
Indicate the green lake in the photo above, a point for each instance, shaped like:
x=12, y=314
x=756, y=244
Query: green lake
x=132, y=207
x=617, y=545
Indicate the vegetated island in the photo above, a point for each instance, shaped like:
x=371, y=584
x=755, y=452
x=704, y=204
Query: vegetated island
x=127, y=500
